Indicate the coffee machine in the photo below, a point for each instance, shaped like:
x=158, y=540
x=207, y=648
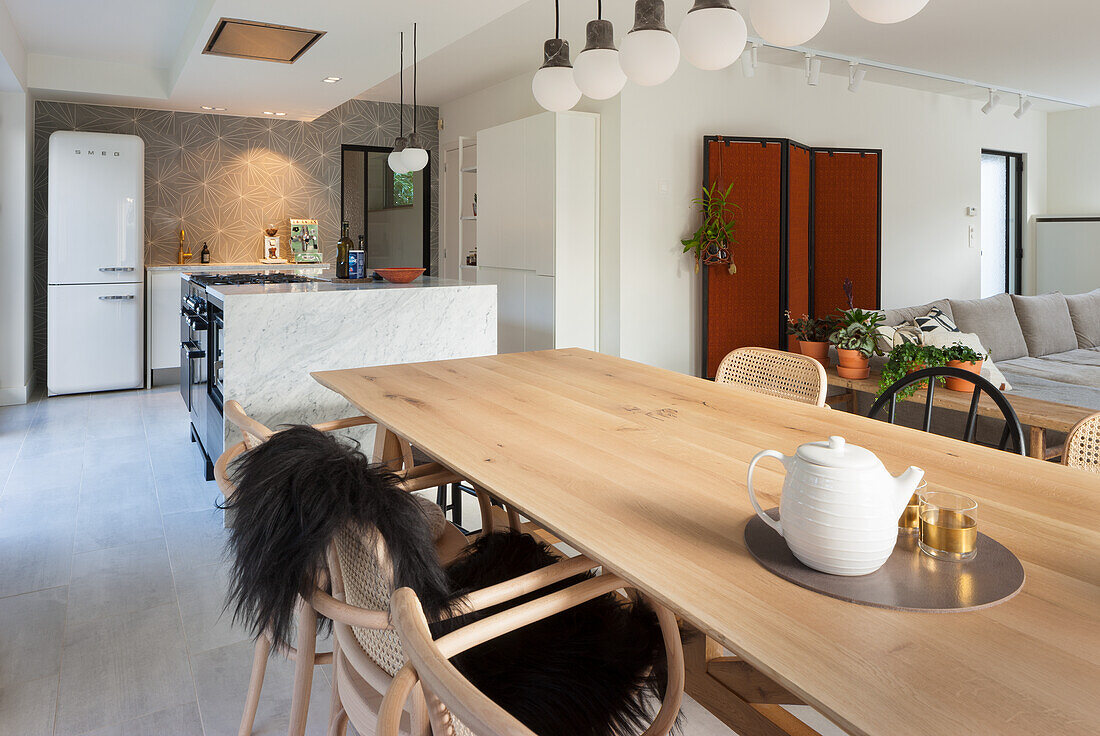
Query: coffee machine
x=304, y=242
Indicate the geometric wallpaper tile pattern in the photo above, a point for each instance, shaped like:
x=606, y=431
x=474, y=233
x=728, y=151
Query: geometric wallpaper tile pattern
x=222, y=178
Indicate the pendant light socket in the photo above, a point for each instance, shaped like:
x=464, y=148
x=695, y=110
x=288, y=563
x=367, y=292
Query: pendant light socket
x=599, y=34
x=649, y=15
x=555, y=53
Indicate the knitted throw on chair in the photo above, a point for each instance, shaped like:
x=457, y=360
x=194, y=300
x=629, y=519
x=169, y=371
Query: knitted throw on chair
x=594, y=670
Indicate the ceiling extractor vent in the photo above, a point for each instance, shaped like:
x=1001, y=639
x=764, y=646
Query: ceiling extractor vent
x=248, y=39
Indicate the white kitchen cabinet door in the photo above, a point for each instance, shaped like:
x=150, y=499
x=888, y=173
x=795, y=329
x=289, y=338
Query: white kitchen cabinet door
x=163, y=298
x=538, y=301
x=539, y=153
x=510, y=306
x=492, y=169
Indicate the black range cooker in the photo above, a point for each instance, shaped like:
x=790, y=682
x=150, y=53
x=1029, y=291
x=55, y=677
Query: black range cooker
x=201, y=328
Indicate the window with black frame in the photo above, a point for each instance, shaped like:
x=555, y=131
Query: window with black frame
x=391, y=211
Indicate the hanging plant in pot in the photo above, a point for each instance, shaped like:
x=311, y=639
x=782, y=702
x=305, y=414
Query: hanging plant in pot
x=812, y=334
x=713, y=242
x=905, y=359
x=855, y=342
x=966, y=358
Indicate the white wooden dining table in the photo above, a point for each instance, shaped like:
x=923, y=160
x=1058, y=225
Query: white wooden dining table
x=644, y=470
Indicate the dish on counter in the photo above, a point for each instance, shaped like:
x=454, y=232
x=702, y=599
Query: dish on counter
x=400, y=275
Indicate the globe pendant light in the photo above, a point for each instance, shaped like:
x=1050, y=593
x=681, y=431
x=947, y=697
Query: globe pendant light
x=414, y=156
x=713, y=35
x=553, y=85
x=789, y=22
x=887, y=11
x=597, y=71
x=649, y=53
x=394, y=160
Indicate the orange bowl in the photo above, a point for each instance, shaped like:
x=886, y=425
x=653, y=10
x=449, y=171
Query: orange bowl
x=399, y=275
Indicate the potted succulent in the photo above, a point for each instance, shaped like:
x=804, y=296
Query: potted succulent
x=966, y=358
x=713, y=242
x=812, y=334
x=905, y=359
x=855, y=342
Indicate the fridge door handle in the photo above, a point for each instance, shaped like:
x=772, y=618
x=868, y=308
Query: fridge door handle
x=117, y=297
x=116, y=268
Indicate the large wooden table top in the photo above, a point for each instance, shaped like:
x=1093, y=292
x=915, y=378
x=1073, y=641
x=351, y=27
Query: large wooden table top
x=644, y=470
x=1031, y=411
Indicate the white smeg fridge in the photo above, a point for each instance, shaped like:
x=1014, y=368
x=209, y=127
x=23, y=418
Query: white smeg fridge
x=95, y=335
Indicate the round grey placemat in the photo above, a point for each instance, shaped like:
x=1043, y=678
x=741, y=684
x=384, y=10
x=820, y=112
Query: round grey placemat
x=909, y=581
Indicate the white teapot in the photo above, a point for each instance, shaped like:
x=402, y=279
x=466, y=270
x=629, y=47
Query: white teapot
x=840, y=507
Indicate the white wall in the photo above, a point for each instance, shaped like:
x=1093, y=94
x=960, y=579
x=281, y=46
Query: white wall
x=1073, y=168
x=16, y=130
x=931, y=173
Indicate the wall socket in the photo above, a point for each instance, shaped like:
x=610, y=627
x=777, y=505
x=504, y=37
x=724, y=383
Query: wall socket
x=971, y=236
x=971, y=211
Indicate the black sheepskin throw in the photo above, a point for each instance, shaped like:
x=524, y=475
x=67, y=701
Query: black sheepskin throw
x=595, y=670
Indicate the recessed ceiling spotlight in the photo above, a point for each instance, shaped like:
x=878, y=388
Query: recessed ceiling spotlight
x=268, y=112
x=280, y=114
x=331, y=80
x=219, y=109
x=206, y=107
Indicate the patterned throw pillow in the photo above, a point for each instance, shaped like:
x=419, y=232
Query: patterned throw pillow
x=935, y=319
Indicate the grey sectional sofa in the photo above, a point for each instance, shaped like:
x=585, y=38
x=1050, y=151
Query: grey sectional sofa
x=1048, y=346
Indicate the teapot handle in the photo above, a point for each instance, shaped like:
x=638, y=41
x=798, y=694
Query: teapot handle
x=752, y=495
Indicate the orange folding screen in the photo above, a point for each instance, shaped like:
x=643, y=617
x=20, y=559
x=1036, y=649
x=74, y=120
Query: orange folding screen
x=845, y=228
x=742, y=308
x=798, y=234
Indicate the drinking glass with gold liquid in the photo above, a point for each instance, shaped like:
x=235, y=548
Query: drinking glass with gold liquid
x=948, y=525
x=910, y=518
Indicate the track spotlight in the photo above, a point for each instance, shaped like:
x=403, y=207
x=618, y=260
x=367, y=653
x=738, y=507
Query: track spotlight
x=749, y=60
x=994, y=98
x=1025, y=105
x=813, y=70
x=856, y=73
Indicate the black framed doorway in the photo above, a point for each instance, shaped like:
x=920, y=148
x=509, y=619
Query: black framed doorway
x=1002, y=221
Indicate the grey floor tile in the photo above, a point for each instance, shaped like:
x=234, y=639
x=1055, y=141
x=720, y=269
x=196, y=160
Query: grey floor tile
x=201, y=592
x=31, y=630
x=195, y=538
x=35, y=556
x=179, y=720
x=107, y=582
x=119, y=516
x=221, y=677
x=119, y=668
x=28, y=707
x=60, y=467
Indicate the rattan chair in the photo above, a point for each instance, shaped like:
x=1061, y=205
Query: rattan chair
x=1082, y=448
x=449, y=541
x=455, y=706
x=775, y=373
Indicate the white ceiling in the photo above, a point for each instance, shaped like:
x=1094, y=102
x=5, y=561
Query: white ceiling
x=148, y=52
x=1047, y=47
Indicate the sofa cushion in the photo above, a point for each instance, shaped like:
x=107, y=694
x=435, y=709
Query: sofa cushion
x=994, y=321
x=895, y=317
x=936, y=319
x=1046, y=323
x=1084, y=311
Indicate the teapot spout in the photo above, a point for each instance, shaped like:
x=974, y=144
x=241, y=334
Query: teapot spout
x=905, y=485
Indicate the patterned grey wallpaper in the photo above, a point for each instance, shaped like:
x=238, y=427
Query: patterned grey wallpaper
x=222, y=178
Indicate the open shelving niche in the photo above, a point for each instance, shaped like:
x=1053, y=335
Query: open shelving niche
x=464, y=142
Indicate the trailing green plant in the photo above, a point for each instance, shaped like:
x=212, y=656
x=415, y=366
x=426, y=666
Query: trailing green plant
x=811, y=329
x=962, y=353
x=904, y=359
x=713, y=242
x=855, y=330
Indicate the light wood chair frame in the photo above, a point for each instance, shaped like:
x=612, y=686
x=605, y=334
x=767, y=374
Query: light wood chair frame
x=775, y=373
x=450, y=694
x=398, y=456
x=1082, y=448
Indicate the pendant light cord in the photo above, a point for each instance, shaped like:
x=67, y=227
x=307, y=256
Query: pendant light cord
x=414, y=78
x=401, y=84
x=557, y=21
x=599, y=9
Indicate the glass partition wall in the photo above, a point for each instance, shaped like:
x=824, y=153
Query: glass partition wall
x=391, y=211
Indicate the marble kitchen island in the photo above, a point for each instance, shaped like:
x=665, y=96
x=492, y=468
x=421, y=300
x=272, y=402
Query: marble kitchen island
x=275, y=335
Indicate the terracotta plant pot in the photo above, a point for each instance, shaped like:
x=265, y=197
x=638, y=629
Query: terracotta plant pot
x=819, y=351
x=852, y=364
x=960, y=384
x=915, y=367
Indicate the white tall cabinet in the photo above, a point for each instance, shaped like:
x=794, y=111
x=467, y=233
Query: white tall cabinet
x=538, y=229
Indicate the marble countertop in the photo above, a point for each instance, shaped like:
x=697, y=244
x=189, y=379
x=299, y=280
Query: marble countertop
x=234, y=266
x=324, y=284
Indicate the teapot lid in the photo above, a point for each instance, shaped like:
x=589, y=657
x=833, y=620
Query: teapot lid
x=836, y=453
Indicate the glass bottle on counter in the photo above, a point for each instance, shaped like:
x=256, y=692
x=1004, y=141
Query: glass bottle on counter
x=204, y=256
x=343, y=253
x=358, y=267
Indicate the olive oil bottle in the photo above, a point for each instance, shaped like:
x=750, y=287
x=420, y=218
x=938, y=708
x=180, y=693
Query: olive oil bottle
x=343, y=253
